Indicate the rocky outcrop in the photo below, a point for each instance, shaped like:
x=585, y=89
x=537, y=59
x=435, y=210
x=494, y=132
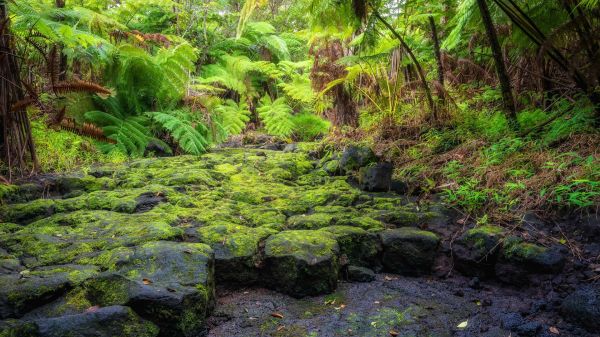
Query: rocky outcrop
x=583, y=306
x=408, y=251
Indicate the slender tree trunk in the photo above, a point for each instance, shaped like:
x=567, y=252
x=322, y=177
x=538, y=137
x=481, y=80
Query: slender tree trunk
x=16, y=141
x=505, y=87
x=438, y=52
x=413, y=58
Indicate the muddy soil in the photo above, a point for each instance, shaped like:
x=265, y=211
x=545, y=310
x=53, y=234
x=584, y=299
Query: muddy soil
x=392, y=305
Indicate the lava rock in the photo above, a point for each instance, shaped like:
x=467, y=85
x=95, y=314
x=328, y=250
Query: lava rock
x=168, y=283
x=147, y=201
x=102, y=322
x=583, y=306
x=360, y=247
x=290, y=147
x=408, y=250
x=236, y=251
x=355, y=157
x=360, y=274
x=301, y=262
x=376, y=178
x=476, y=251
x=518, y=260
x=20, y=293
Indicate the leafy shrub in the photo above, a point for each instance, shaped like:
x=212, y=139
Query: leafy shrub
x=308, y=126
x=66, y=151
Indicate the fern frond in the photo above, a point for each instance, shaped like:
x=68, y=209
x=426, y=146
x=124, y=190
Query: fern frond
x=277, y=116
x=190, y=138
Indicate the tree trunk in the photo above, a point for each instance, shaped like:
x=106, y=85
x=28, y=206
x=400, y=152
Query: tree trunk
x=438, y=52
x=62, y=64
x=505, y=87
x=413, y=58
x=16, y=140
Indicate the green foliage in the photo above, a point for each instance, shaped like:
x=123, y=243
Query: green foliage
x=62, y=151
x=130, y=133
x=231, y=118
x=308, y=126
x=277, y=116
x=191, y=139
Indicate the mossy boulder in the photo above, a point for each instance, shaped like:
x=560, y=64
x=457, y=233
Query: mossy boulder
x=101, y=322
x=301, y=262
x=65, y=237
x=376, y=178
x=519, y=259
x=355, y=157
x=359, y=247
x=236, y=251
x=169, y=283
x=24, y=291
x=408, y=251
x=311, y=221
x=476, y=251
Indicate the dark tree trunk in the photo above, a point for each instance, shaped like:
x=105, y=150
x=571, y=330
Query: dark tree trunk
x=438, y=52
x=413, y=58
x=16, y=141
x=505, y=87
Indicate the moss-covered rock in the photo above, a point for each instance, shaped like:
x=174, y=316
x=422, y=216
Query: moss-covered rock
x=359, y=247
x=476, y=251
x=301, y=263
x=408, y=251
x=171, y=284
x=102, y=322
x=519, y=259
x=23, y=291
x=236, y=251
x=355, y=157
x=65, y=237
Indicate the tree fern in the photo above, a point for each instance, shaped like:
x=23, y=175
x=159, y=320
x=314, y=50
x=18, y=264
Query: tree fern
x=277, y=116
x=191, y=138
x=232, y=117
x=129, y=133
x=299, y=88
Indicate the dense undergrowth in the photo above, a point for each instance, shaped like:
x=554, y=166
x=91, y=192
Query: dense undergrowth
x=107, y=82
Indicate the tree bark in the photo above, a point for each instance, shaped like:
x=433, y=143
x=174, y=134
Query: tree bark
x=505, y=87
x=438, y=52
x=16, y=140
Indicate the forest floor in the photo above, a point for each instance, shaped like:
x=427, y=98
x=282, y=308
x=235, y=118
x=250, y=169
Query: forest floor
x=157, y=245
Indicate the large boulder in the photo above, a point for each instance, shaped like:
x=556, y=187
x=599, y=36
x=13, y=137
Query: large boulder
x=583, y=307
x=24, y=291
x=518, y=260
x=476, y=251
x=101, y=322
x=355, y=157
x=408, y=251
x=301, y=262
x=359, y=247
x=376, y=178
x=168, y=283
x=236, y=251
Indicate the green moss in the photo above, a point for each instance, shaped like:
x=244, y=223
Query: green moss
x=516, y=248
x=305, y=244
x=311, y=221
x=237, y=240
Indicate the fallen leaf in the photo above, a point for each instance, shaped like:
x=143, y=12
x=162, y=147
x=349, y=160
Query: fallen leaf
x=553, y=330
x=92, y=309
x=340, y=307
x=394, y=333
x=376, y=302
x=277, y=315
x=171, y=290
x=281, y=327
x=463, y=325
x=146, y=281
